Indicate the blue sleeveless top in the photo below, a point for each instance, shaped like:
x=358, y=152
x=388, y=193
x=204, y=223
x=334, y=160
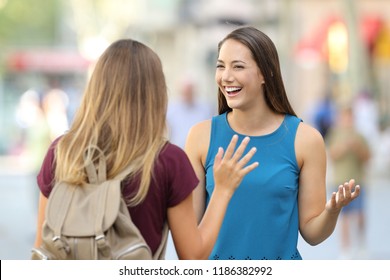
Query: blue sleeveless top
x=261, y=222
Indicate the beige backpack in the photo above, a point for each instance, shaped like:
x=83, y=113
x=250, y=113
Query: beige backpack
x=92, y=222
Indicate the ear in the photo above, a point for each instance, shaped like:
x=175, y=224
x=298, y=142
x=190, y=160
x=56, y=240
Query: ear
x=261, y=78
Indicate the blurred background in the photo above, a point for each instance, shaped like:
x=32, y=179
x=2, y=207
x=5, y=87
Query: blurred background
x=332, y=52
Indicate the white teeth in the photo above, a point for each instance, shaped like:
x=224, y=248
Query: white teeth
x=230, y=89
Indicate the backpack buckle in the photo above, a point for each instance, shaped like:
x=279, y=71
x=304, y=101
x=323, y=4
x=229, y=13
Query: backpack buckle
x=55, y=238
x=100, y=240
x=99, y=237
x=60, y=244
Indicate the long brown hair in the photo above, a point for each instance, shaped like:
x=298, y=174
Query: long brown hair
x=266, y=57
x=123, y=112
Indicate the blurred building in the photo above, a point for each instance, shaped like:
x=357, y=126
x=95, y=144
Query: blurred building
x=335, y=46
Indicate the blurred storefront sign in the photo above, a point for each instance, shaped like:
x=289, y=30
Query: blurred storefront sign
x=314, y=47
x=49, y=61
x=381, y=49
x=337, y=47
x=370, y=29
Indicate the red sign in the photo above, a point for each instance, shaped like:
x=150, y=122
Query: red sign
x=47, y=61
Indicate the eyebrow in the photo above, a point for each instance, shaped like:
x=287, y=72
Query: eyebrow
x=234, y=61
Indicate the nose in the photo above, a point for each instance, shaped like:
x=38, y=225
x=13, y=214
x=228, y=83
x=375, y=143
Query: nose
x=226, y=75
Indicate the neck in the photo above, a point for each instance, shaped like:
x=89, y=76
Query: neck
x=254, y=123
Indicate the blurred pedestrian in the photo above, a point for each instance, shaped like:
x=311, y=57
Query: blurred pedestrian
x=185, y=111
x=324, y=115
x=349, y=153
x=55, y=102
x=123, y=112
x=35, y=136
x=286, y=194
x=367, y=121
x=380, y=162
x=35, y=131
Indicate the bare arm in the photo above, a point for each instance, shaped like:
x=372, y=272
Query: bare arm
x=196, y=147
x=41, y=218
x=317, y=218
x=196, y=242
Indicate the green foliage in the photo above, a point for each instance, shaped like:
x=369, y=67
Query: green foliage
x=29, y=22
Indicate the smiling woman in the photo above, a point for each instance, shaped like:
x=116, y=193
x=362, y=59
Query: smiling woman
x=286, y=194
x=237, y=75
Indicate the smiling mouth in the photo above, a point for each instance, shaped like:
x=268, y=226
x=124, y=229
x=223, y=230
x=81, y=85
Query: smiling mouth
x=231, y=91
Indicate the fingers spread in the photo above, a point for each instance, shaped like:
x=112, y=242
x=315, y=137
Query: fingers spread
x=230, y=168
x=230, y=149
x=240, y=150
x=347, y=191
x=218, y=157
x=356, y=192
x=245, y=159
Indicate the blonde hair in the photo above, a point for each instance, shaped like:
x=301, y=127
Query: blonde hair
x=123, y=112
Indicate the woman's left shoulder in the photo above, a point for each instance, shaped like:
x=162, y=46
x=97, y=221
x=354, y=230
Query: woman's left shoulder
x=309, y=145
x=308, y=135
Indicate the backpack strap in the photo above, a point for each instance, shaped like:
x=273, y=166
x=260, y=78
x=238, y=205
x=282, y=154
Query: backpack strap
x=60, y=244
x=98, y=177
x=95, y=177
x=101, y=174
x=100, y=237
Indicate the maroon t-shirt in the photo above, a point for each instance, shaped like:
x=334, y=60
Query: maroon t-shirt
x=174, y=179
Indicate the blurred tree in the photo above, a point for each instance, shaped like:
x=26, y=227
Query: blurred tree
x=96, y=23
x=29, y=22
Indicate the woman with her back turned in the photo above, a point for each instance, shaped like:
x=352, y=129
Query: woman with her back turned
x=286, y=194
x=123, y=112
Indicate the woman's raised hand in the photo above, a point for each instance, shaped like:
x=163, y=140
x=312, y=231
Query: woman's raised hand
x=231, y=167
x=344, y=195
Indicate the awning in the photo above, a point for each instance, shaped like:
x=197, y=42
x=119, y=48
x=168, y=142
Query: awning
x=370, y=28
x=313, y=45
x=46, y=61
